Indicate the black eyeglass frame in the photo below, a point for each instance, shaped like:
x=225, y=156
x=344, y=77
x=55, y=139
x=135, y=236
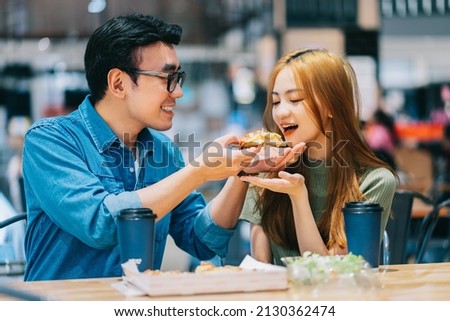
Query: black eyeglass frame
x=173, y=78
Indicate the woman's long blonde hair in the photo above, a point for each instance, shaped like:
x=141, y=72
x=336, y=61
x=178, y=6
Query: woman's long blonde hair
x=331, y=89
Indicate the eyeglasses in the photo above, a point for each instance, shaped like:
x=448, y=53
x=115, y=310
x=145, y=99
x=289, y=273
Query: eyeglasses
x=173, y=78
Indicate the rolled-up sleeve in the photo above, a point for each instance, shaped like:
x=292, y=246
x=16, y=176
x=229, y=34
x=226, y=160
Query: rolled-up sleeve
x=211, y=234
x=115, y=203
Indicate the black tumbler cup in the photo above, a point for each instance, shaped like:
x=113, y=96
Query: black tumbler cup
x=136, y=233
x=362, y=227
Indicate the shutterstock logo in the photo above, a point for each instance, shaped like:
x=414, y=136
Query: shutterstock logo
x=332, y=148
x=212, y=154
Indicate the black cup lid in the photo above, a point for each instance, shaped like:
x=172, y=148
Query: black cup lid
x=131, y=213
x=357, y=206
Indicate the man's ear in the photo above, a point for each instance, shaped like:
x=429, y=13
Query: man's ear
x=116, y=78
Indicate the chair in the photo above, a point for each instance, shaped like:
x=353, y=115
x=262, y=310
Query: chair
x=9, y=267
x=11, y=220
x=398, y=227
x=14, y=268
x=427, y=227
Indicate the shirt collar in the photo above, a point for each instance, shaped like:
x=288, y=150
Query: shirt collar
x=102, y=135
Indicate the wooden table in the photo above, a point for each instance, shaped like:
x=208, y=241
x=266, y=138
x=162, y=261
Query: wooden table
x=396, y=282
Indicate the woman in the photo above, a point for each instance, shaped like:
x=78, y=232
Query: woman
x=313, y=98
x=381, y=137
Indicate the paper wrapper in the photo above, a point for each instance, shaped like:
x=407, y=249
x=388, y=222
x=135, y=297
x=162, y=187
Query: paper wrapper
x=254, y=276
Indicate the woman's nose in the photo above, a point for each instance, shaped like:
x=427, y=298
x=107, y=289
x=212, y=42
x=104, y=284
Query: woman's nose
x=283, y=111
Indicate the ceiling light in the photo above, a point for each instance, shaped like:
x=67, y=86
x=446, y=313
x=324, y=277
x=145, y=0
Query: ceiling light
x=96, y=6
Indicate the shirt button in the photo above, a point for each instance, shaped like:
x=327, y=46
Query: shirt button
x=131, y=169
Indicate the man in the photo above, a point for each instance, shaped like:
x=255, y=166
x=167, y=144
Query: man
x=82, y=169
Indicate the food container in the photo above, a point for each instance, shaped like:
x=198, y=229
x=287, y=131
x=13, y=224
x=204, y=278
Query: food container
x=250, y=276
x=313, y=271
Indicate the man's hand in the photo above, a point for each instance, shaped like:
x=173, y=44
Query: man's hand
x=274, y=159
x=219, y=162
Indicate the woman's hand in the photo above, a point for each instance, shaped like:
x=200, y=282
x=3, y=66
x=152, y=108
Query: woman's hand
x=291, y=184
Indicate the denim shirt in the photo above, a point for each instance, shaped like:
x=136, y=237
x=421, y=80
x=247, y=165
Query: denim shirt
x=78, y=176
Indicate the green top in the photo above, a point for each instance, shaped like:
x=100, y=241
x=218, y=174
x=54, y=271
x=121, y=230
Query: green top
x=377, y=186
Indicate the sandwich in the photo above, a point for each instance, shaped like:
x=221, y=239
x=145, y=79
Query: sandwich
x=260, y=138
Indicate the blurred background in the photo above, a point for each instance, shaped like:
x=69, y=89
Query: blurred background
x=399, y=48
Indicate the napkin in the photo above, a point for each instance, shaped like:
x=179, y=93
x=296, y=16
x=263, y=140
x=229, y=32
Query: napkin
x=126, y=287
x=250, y=263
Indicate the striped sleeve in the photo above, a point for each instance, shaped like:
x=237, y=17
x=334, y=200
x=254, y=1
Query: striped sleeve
x=378, y=186
x=249, y=212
